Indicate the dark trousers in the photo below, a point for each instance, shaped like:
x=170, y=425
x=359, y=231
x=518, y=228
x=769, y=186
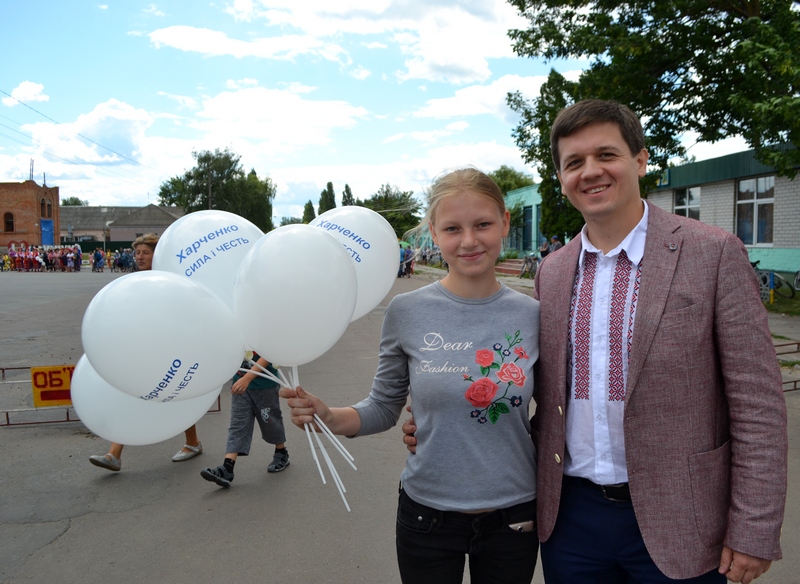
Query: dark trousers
x=597, y=541
x=432, y=545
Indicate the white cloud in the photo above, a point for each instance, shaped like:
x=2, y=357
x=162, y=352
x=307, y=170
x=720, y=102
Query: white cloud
x=278, y=121
x=706, y=150
x=241, y=10
x=240, y=83
x=359, y=73
x=482, y=99
x=182, y=100
x=296, y=87
x=153, y=9
x=296, y=185
x=25, y=92
x=429, y=136
x=213, y=43
x=440, y=41
x=103, y=6
x=116, y=125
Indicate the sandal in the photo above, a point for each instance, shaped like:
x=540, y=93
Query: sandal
x=182, y=455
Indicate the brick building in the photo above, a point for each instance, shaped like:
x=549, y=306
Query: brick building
x=29, y=214
x=742, y=196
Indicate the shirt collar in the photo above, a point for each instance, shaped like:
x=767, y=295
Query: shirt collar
x=633, y=244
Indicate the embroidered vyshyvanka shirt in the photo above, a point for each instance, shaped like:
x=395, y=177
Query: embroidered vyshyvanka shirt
x=602, y=315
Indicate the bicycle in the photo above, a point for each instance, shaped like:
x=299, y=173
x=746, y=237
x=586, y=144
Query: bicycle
x=773, y=280
x=528, y=266
x=797, y=281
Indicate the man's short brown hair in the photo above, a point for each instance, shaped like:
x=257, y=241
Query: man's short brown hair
x=596, y=111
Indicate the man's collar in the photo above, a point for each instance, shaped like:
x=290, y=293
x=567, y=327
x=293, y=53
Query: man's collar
x=633, y=244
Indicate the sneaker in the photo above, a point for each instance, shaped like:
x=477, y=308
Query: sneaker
x=220, y=475
x=279, y=462
x=107, y=461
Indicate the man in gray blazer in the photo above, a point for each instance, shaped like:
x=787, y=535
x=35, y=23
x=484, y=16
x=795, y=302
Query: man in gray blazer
x=660, y=421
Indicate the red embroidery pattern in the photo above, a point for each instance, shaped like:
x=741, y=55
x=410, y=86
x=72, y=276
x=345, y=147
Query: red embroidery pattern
x=570, y=344
x=616, y=321
x=634, y=298
x=583, y=320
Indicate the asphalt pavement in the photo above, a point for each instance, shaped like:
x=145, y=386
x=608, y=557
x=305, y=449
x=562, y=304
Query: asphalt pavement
x=63, y=520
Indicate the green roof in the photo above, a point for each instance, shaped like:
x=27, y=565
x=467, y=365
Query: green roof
x=730, y=167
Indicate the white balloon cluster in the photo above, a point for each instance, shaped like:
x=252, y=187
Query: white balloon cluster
x=159, y=344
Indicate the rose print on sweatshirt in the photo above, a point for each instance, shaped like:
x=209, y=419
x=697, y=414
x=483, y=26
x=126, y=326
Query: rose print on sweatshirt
x=482, y=392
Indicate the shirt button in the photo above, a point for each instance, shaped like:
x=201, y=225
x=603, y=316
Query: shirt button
x=599, y=417
x=558, y=458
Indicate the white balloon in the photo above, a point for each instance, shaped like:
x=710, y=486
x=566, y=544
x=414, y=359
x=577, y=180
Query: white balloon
x=372, y=244
x=121, y=418
x=207, y=246
x=161, y=337
x=294, y=294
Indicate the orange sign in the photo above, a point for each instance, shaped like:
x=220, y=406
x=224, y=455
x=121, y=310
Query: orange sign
x=51, y=385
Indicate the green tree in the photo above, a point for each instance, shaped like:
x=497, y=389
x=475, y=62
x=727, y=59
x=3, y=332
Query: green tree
x=723, y=68
x=398, y=207
x=218, y=181
x=308, y=212
x=510, y=179
x=73, y=202
x=558, y=216
x=347, y=197
x=327, y=199
x=290, y=220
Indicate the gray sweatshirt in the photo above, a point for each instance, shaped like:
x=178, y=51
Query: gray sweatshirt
x=468, y=365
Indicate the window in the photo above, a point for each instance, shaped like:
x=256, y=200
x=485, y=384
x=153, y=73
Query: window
x=42, y=211
x=687, y=202
x=8, y=222
x=49, y=209
x=755, y=199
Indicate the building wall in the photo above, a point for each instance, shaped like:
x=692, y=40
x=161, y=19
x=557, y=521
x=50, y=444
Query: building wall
x=23, y=200
x=718, y=207
x=787, y=213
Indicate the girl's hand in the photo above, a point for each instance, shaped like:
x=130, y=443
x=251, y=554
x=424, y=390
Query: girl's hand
x=304, y=405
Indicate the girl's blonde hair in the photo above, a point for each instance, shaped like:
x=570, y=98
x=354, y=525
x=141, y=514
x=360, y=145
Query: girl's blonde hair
x=462, y=180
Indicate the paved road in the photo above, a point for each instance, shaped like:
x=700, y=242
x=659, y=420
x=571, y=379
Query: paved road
x=62, y=520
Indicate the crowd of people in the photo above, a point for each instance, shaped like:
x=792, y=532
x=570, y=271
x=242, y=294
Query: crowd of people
x=116, y=261
x=42, y=259
x=65, y=258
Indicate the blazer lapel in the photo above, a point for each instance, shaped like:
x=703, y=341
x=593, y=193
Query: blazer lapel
x=661, y=252
x=555, y=315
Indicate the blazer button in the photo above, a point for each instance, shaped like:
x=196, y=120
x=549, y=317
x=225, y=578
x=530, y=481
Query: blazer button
x=560, y=411
x=558, y=458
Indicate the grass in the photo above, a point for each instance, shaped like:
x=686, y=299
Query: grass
x=790, y=306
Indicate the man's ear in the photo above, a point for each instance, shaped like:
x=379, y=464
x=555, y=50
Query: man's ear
x=641, y=161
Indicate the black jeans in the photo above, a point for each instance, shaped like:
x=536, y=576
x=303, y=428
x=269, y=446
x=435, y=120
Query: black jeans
x=432, y=545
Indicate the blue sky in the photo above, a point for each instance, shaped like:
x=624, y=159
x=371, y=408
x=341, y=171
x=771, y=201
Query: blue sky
x=363, y=92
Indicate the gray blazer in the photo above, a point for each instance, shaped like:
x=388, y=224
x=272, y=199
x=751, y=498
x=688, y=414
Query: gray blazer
x=705, y=417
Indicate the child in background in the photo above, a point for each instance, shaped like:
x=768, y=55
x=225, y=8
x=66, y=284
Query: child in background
x=253, y=398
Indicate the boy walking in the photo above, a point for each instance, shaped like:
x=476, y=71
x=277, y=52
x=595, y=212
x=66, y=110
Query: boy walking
x=253, y=398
